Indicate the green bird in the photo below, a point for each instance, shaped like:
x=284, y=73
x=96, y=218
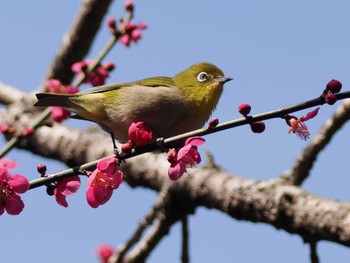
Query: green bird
x=168, y=105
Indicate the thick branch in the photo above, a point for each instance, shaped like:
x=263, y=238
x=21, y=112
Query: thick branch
x=9, y=94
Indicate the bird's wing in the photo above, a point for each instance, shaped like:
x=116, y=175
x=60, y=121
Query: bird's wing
x=150, y=82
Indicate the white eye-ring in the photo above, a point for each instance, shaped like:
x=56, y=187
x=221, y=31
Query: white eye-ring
x=203, y=76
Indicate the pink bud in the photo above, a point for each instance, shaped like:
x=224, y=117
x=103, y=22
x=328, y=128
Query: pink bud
x=257, y=127
x=112, y=23
x=126, y=148
x=27, y=132
x=334, y=86
x=129, y=6
x=213, y=123
x=41, y=168
x=330, y=98
x=172, y=155
x=109, y=66
x=50, y=189
x=244, y=109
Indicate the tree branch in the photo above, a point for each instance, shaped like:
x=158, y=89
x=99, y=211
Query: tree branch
x=9, y=94
x=143, y=224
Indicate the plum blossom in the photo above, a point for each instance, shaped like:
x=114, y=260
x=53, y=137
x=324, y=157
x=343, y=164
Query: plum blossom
x=98, y=76
x=66, y=187
x=105, y=252
x=132, y=33
x=187, y=156
x=139, y=134
x=55, y=86
x=297, y=125
x=103, y=180
x=8, y=163
x=10, y=187
x=59, y=114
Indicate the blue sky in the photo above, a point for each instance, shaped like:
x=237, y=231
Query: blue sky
x=278, y=53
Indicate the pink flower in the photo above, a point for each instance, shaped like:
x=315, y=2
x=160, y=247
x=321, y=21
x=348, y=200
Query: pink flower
x=298, y=126
x=96, y=77
x=187, y=156
x=105, y=252
x=55, y=86
x=8, y=163
x=66, y=187
x=140, y=134
x=103, y=181
x=132, y=32
x=10, y=187
x=59, y=114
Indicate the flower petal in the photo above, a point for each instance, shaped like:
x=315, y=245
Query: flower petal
x=8, y=163
x=4, y=174
x=18, y=183
x=2, y=209
x=195, y=141
x=310, y=115
x=90, y=197
x=102, y=195
x=183, y=151
x=60, y=198
x=107, y=165
x=69, y=186
x=14, y=204
x=176, y=170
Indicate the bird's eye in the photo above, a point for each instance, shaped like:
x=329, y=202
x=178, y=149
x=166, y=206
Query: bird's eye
x=203, y=76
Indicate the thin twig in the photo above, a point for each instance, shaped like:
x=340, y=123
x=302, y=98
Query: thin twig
x=145, y=246
x=185, y=257
x=313, y=252
x=143, y=224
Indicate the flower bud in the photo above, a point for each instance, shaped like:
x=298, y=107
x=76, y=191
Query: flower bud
x=41, y=168
x=172, y=155
x=50, y=189
x=127, y=147
x=129, y=6
x=27, y=132
x=330, y=98
x=257, y=127
x=334, y=86
x=213, y=123
x=109, y=66
x=112, y=23
x=244, y=109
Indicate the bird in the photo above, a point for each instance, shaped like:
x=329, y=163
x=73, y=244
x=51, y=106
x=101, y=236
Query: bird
x=168, y=105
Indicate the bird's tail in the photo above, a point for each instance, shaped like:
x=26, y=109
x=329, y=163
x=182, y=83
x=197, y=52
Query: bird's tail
x=53, y=99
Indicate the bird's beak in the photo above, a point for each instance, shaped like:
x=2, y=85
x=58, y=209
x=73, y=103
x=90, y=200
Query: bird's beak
x=223, y=80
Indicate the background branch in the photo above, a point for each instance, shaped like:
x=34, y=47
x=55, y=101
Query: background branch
x=77, y=42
